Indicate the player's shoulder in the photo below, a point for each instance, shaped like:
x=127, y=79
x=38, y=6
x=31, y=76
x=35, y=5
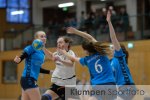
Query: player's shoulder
x=115, y=60
x=28, y=47
x=71, y=52
x=119, y=53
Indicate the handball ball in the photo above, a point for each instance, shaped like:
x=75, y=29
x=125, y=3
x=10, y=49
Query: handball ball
x=37, y=44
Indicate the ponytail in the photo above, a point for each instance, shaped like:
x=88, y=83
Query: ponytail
x=102, y=48
x=92, y=48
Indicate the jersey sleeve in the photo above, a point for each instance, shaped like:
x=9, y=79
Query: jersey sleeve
x=82, y=61
x=55, y=53
x=119, y=53
x=29, y=50
x=72, y=53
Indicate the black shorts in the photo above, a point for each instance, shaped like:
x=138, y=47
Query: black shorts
x=60, y=91
x=28, y=83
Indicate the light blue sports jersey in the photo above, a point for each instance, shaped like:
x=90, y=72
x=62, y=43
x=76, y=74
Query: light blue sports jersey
x=33, y=62
x=121, y=70
x=99, y=68
x=117, y=71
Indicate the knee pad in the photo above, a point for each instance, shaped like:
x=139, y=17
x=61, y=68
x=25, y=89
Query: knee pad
x=46, y=97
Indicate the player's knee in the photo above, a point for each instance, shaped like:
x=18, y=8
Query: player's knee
x=46, y=97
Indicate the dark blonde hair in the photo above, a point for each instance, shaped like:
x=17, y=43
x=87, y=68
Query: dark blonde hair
x=100, y=47
x=67, y=40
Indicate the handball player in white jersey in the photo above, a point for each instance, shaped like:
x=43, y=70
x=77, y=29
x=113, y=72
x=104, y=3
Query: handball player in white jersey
x=64, y=73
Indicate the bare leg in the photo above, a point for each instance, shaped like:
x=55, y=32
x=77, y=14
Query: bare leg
x=34, y=93
x=24, y=95
x=92, y=98
x=52, y=94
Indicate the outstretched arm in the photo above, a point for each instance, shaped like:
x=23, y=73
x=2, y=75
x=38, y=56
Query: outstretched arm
x=45, y=71
x=65, y=62
x=85, y=35
x=48, y=54
x=112, y=32
x=69, y=62
x=72, y=58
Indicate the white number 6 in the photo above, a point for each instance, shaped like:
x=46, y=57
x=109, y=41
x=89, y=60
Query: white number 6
x=98, y=67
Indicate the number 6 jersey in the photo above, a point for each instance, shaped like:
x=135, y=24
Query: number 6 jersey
x=99, y=68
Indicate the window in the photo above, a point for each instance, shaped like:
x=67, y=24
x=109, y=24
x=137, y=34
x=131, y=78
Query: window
x=25, y=4
x=18, y=16
x=12, y=3
x=10, y=16
x=18, y=11
x=25, y=16
x=2, y=3
x=9, y=72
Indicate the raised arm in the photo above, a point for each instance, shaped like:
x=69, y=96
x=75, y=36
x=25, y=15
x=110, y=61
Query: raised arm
x=85, y=35
x=112, y=32
x=45, y=71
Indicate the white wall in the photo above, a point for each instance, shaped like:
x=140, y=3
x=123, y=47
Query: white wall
x=1, y=44
x=131, y=6
x=80, y=6
x=37, y=13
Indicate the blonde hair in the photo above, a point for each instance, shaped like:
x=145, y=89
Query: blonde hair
x=36, y=34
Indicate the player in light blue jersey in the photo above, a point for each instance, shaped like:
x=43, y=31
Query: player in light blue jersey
x=118, y=70
x=119, y=63
x=33, y=62
x=96, y=61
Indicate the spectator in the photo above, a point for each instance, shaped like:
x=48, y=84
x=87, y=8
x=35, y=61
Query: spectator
x=82, y=20
x=123, y=20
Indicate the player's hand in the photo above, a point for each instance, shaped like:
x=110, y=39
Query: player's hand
x=57, y=58
x=71, y=30
x=108, y=16
x=17, y=59
x=62, y=51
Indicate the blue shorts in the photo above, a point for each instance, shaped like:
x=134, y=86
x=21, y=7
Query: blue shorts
x=28, y=83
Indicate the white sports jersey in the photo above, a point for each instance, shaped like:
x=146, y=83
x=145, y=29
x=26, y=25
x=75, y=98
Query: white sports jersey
x=63, y=74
